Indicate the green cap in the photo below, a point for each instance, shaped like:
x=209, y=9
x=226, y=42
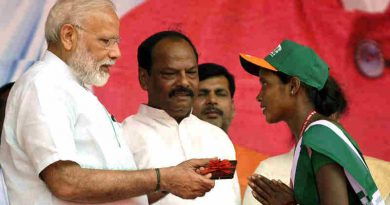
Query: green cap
x=291, y=59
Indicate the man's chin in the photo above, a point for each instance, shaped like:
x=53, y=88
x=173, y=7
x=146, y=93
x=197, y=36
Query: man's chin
x=180, y=113
x=101, y=80
x=215, y=121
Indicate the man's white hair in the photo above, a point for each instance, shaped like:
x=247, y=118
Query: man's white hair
x=71, y=12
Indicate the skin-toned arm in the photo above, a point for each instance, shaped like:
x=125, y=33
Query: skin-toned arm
x=153, y=197
x=332, y=185
x=69, y=182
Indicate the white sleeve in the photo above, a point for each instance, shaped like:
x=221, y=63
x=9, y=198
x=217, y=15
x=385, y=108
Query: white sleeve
x=45, y=125
x=3, y=190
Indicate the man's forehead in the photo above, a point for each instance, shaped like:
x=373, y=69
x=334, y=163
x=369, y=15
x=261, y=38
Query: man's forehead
x=96, y=19
x=174, y=59
x=172, y=47
x=215, y=82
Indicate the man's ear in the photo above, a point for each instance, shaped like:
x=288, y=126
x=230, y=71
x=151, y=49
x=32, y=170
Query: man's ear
x=295, y=85
x=143, y=78
x=68, y=36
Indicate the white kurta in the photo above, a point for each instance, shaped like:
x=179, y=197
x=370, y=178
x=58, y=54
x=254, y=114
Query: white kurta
x=276, y=167
x=157, y=140
x=50, y=116
x=3, y=190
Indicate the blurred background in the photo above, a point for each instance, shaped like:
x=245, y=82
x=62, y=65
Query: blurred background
x=352, y=36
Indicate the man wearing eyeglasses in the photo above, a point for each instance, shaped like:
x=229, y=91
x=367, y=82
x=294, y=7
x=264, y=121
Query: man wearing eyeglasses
x=59, y=144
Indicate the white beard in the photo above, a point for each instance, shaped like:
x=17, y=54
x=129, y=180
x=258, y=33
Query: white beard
x=87, y=69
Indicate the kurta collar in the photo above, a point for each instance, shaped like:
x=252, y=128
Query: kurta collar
x=159, y=115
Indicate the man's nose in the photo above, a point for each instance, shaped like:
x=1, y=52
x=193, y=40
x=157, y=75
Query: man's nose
x=114, y=52
x=259, y=97
x=183, y=80
x=211, y=98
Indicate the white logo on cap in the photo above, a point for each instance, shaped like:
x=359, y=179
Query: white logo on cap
x=276, y=51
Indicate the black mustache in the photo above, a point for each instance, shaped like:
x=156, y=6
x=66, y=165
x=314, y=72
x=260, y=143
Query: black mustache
x=181, y=90
x=212, y=109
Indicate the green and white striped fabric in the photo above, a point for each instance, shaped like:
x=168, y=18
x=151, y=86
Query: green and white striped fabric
x=332, y=141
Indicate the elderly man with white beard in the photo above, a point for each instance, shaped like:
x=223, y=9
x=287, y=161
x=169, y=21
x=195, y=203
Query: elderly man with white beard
x=59, y=144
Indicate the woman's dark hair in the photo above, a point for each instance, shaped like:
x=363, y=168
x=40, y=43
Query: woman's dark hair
x=330, y=99
x=327, y=101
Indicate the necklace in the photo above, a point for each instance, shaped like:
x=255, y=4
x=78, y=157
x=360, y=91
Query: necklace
x=305, y=122
x=297, y=148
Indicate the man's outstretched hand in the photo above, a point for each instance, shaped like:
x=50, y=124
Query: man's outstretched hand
x=184, y=181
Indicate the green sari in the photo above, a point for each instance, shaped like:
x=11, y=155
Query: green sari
x=335, y=145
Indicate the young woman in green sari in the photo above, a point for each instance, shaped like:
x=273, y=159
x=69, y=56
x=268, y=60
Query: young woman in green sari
x=328, y=167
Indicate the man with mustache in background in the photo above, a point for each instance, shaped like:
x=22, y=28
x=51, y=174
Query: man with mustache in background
x=214, y=103
x=164, y=131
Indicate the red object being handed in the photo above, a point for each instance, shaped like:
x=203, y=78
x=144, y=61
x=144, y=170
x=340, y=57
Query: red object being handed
x=220, y=169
